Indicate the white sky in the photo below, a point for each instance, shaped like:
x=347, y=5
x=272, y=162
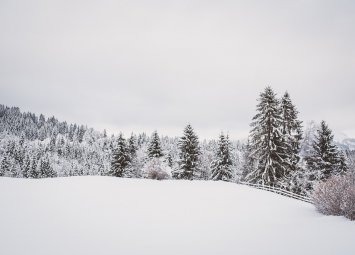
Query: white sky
x=145, y=65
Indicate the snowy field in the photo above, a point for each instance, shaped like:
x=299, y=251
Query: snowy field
x=103, y=215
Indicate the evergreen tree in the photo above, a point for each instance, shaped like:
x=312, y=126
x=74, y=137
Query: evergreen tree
x=11, y=149
x=132, y=146
x=81, y=133
x=22, y=140
x=45, y=168
x=325, y=159
x=5, y=165
x=132, y=170
x=34, y=172
x=291, y=129
x=189, y=155
x=343, y=166
x=169, y=160
x=52, y=143
x=154, y=148
x=61, y=146
x=292, y=136
x=19, y=155
x=27, y=167
x=14, y=170
x=248, y=162
x=221, y=166
x=120, y=158
x=267, y=142
x=298, y=182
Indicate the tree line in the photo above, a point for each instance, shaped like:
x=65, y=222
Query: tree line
x=277, y=152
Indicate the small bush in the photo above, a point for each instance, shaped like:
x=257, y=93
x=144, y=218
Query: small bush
x=336, y=196
x=156, y=169
x=157, y=175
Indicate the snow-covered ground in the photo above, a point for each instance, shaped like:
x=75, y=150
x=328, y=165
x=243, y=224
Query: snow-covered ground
x=103, y=215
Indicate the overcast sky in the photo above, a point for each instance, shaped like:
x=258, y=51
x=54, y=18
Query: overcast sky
x=145, y=65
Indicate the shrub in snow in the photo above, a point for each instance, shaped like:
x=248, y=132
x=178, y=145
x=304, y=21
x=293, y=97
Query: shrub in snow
x=156, y=169
x=336, y=196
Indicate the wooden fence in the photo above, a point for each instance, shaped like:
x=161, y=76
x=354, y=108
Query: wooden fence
x=280, y=191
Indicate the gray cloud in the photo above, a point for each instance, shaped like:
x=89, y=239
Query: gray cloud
x=145, y=65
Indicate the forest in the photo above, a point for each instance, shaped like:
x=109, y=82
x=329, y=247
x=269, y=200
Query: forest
x=279, y=151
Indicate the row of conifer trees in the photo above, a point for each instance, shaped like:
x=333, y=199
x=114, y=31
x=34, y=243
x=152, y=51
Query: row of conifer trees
x=273, y=149
x=272, y=154
x=188, y=166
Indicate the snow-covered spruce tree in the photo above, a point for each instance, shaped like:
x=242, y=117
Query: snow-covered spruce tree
x=292, y=136
x=154, y=148
x=2, y=172
x=248, y=162
x=189, y=154
x=133, y=168
x=343, y=164
x=5, y=165
x=132, y=146
x=325, y=159
x=169, y=160
x=291, y=129
x=298, y=180
x=27, y=167
x=221, y=166
x=33, y=173
x=156, y=166
x=267, y=143
x=120, y=158
x=350, y=160
x=46, y=170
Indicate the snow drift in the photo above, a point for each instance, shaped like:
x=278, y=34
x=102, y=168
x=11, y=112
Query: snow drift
x=103, y=215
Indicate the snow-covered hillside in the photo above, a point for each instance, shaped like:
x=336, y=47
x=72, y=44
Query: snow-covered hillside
x=103, y=215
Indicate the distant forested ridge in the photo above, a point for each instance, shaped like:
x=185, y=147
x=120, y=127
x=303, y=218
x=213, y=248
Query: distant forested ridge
x=33, y=146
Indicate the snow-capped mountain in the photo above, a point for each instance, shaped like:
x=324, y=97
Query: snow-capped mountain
x=346, y=143
x=341, y=139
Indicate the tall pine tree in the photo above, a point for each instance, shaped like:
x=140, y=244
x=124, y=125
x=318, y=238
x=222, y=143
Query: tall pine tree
x=34, y=173
x=132, y=146
x=292, y=136
x=221, y=166
x=46, y=170
x=248, y=162
x=188, y=156
x=267, y=143
x=291, y=129
x=5, y=165
x=120, y=158
x=325, y=159
x=154, y=148
x=27, y=167
x=132, y=170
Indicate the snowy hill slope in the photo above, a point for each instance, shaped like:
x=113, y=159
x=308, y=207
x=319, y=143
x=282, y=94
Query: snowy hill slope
x=103, y=215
